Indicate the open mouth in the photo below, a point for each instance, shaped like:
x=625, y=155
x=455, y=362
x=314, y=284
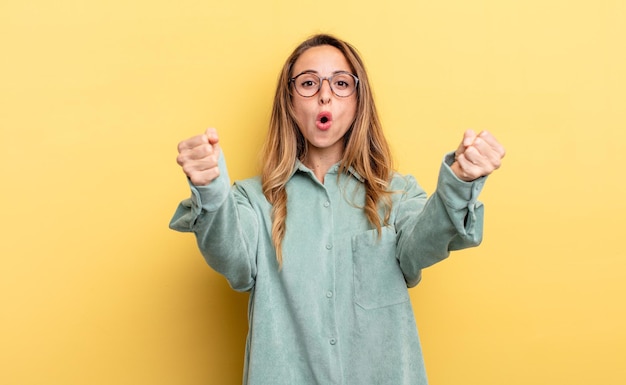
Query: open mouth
x=324, y=120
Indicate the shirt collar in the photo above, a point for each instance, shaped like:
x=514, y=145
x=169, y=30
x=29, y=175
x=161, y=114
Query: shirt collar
x=299, y=166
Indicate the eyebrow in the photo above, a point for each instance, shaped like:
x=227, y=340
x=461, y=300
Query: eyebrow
x=317, y=73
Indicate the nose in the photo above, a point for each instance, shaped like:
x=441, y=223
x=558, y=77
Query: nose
x=325, y=92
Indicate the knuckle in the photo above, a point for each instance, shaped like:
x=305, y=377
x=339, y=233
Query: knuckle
x=187, y=169
x=203, y=150
x=206, y=147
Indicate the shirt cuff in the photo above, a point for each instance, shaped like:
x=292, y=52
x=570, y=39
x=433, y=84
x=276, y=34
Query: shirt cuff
x=213, y=195
x=457, y=193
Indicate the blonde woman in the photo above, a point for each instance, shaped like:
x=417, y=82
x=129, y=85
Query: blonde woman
x=328, y=239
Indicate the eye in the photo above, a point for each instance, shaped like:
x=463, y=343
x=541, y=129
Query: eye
x=343, y=82
x=307, y=81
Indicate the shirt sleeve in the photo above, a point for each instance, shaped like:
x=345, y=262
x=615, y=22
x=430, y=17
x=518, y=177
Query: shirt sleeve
x=225, y=227
x=428, y=229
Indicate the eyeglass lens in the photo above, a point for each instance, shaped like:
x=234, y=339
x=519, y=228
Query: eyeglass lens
x=308, y=84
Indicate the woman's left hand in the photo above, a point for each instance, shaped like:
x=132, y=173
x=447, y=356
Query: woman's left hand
x=477, y=156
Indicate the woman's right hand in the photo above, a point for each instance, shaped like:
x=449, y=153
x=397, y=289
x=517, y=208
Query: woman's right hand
x=198, y=157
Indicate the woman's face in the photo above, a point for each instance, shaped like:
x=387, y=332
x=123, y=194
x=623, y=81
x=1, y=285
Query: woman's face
x=323, y=119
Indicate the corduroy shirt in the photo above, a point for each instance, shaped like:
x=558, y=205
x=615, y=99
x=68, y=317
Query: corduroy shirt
x=338, y=311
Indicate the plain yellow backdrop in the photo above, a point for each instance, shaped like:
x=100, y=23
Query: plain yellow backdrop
x=95, y=95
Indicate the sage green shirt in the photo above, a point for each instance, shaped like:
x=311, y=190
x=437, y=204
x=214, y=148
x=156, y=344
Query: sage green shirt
x=338, y=312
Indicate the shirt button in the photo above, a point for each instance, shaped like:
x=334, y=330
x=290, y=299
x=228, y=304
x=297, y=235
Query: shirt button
x=329, y=294
x=326, y=204
x=329, y=246
x=332, y=341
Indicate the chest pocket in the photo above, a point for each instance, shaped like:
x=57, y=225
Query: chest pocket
x=378, y=280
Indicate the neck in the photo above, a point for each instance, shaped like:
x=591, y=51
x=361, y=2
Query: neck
x=320, y=163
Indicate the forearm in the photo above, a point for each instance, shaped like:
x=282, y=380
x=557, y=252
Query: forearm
x=224, y=229
x=451, y=219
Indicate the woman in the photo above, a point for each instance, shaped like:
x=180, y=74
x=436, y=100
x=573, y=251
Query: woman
x=329, y=237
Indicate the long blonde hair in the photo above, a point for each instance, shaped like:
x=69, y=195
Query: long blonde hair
x=366, y=149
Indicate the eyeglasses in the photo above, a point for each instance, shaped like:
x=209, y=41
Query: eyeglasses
x=342, y=84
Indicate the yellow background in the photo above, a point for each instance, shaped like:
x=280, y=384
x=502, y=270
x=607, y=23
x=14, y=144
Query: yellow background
x=95, y=95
